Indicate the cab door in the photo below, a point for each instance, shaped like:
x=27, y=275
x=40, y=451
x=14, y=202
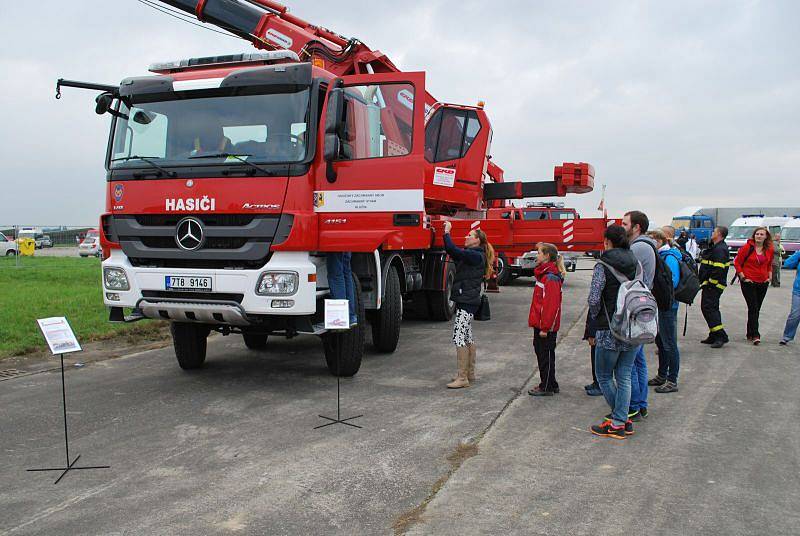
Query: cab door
x=369, y=188
x=455, y=169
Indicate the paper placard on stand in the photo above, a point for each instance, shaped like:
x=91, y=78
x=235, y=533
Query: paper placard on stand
x=337, y=314
x=59, y=336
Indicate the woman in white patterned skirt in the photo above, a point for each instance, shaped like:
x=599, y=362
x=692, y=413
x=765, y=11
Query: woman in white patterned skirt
x=473, y=265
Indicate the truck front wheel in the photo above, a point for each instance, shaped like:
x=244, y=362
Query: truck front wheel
x=190, y=342
x=503, y=270
x=387, y=319
x=345, y=349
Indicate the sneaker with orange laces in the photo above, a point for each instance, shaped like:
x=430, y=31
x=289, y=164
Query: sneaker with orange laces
x=607, y=429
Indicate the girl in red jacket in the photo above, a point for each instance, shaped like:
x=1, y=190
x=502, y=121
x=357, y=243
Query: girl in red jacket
x=545, y=317
x=753, y=266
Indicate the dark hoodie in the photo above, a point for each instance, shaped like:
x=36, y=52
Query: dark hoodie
x=545, y=312
x=624, y=261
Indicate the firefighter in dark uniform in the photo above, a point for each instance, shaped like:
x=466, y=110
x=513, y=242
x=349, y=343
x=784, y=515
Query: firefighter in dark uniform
x=714, y=264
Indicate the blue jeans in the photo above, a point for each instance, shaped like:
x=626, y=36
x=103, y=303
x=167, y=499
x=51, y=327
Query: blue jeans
x=639, y=381
x=618, y=396
x=794, y=319
x=669, y=356
x=340, y=281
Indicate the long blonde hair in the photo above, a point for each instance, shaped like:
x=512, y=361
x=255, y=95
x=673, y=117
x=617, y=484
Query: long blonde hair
x=488, y=252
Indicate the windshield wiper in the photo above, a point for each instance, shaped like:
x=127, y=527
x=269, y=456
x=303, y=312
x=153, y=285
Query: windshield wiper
x=148, y=161
x=237, y=157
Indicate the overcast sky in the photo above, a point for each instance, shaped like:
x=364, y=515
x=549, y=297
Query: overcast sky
x=674, y=103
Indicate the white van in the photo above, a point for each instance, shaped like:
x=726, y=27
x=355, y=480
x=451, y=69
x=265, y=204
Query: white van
x=741, y=230
x=790, y=237
x=7, y=247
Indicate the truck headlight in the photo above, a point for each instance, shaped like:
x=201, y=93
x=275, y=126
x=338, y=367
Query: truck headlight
x=115, y=279
x=277, y=283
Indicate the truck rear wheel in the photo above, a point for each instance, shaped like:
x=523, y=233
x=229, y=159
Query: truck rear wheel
x=503, y=270
x=255, y=341
x=345, y=349
x=190, y=342
x=386, y=320
x=440, y=306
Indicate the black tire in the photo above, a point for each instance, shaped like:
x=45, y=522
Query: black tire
x=190, y=342
x=11, y=253
x=503, y=270
x=386, y=321
x=255, y=341
x=344, y=350
x=440, y=307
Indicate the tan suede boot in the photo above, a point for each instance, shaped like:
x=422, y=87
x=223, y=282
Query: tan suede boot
x=471, y=366
x=462, y=355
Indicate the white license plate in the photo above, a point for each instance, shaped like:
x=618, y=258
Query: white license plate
x=185, y=282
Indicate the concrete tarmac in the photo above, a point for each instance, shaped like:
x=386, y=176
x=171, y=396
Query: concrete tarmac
x=232, y=449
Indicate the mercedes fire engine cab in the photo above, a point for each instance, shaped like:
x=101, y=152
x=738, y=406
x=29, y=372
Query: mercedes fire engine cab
x=231, y=177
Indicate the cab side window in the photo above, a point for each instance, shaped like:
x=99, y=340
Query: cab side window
x=535, y=215
x=377, y=121
x=450, y=133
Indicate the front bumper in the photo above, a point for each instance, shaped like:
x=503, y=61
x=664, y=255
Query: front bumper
x=232, y=301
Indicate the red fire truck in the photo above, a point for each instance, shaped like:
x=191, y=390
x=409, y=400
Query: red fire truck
x=230, y=177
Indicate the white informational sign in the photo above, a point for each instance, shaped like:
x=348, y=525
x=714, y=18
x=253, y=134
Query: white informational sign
x=443, y=176
x=59, y=336
x=369, y=201
x=337, y=314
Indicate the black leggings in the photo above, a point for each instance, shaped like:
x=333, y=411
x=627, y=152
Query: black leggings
x=754, y=294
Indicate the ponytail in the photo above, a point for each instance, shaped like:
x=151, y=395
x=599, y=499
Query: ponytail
x=488, y=252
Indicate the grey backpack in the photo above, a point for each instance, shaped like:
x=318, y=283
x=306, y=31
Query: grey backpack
x=635, y=321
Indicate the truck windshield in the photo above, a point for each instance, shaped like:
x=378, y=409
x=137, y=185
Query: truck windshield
x=682, y=223
x=791, y=234
x=742, y=232
x=265, y=128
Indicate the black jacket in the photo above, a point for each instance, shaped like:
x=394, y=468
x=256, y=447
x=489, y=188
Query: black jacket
x=470, y=270
x=624, y=261
x=714, y=264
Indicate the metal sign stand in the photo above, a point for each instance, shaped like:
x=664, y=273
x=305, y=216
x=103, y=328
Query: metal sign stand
x=338, y=419
x=70, y=464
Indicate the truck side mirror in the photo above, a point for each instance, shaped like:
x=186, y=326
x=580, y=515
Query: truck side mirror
x=103, y=101
x=332, y=120
x=333, y=142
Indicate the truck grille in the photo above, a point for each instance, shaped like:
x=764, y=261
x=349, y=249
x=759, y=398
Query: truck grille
x=229, y=240
x=211, y=220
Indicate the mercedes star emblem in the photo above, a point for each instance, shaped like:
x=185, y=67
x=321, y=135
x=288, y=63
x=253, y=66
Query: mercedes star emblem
x=189, y=234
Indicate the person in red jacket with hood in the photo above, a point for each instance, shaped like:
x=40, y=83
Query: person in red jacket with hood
x=753, y=266
x=545, y=317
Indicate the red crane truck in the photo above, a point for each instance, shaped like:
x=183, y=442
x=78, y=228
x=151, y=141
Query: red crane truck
x=229, y=178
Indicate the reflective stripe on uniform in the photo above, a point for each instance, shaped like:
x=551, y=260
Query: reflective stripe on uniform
x=718, y=328
x=716, y=264
x=714, y=282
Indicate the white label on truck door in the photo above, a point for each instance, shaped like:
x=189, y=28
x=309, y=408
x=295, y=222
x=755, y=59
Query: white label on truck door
x=443, y=176
x=368, y=201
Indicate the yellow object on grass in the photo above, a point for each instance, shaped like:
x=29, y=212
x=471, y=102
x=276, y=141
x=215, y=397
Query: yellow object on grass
x=27, y=246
